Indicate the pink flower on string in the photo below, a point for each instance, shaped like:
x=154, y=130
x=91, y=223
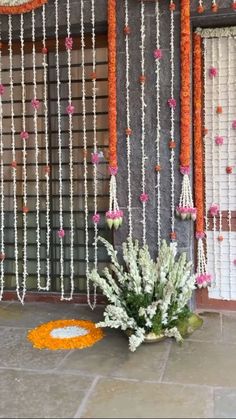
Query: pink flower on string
x=96, y=218
x=144, y=197
x=234, y=124
x=172, y=103
x=200, y=235
x=95, y=158
x=185, y=170
x=214, y=210
x=158, y=54
x=219, y=140
x=24, y=135
x=213, y=72
x=203, y=280
x=113, y=171
x=2, y=89
x=35, y=103
x=69, y=43
x=61, y=234
x=70, y=109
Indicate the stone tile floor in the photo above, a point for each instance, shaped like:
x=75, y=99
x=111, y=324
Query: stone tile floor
x=163, y=380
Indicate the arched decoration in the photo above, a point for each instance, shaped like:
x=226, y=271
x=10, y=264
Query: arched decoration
x=15, y=7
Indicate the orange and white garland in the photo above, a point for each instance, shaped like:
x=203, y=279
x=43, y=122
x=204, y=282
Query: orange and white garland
x=11, y=7
x=186, y=209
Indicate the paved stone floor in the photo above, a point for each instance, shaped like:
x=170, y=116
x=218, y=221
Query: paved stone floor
x=163, y=380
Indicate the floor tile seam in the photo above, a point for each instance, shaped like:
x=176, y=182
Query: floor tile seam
x=87, y=396
x=167, y=355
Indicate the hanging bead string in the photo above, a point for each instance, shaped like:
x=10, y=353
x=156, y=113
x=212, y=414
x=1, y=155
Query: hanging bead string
x=85, y=154
x=70, y=111
x=229, y=87
x=172, y=113
x=220, y=237
x=2, y=240
x=47, y=168
x=158, y=55
x=128, y=120
x=24, y=138
x=61, y=232
x=213, y=163
x=96, y=217
x=35, y=104
x=14, y=164
x=144, y=196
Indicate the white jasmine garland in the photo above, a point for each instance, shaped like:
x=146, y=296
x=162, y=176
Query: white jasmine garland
x=172, y=117
x=24, y=151
x=47, y=171
x=95, y=171
x=61, y=221
x=2, y=216
x=158, y=127
x=37, y=186
x=20, y=297
x=205, y=138
x=128, y=118
x=229, y=83
x=213, y=134
x=218, y=60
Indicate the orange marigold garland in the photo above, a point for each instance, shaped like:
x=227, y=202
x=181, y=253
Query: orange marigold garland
x=203, y=279
x=114, y=215
x=65, y=335
x=186, y=208
x=14, y=7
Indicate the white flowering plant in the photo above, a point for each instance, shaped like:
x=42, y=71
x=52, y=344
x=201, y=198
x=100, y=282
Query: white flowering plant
x=144, y=296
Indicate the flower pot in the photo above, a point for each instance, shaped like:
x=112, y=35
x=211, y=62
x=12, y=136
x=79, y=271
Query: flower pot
x=150, y=337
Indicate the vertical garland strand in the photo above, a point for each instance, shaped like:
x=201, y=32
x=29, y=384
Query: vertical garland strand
x=158, y=55
x=205, y=132
x=229, y=81
x=144, y=196
x=35, y=104
x=70, y=111
x=172, y=103
x=84, y=127
x=214, y=205
x=128, y=121
x=2, y=217
x=14, y=164
x=47, y=168
x=24, y=137
x=61, y=232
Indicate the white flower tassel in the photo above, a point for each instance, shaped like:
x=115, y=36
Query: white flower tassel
x=203, y=279
x=186, y=209
x=114, y=215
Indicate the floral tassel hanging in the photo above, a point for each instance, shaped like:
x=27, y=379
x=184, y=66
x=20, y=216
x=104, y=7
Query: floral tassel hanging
x=186, y=209
x=203, y=279
x=114, y=215
x=200, y=8
x=2, y=216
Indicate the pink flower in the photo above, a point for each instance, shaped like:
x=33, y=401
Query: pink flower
x=96, y=218
x=214, y=210
x=219, y=140
x=113, y=171
x=213, y=72
x=35, y=103
x=69, y=43
x=234, y=124
x=144, y=197
x=234, y=262
x=61, y=234
x=157, y=53
x=203, y=280
x=185, y=170
x=24, y=135
x=70, y=109
x=2, y=89
x=110, y=215
x=172, y=103
x=95, y=158
x=200, y=235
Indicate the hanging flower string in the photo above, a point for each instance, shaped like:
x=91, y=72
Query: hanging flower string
x=114, y=216
x=24, y=136
x=96, y=216
x=203, y=279
x=229, y=168
x=47, y=167
x=36, y=105
x=172, y=106
x=158, y=57
x=70, y=112
x=186, y=209
x=20, y=296
x=2, y=201
x=127, y=32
